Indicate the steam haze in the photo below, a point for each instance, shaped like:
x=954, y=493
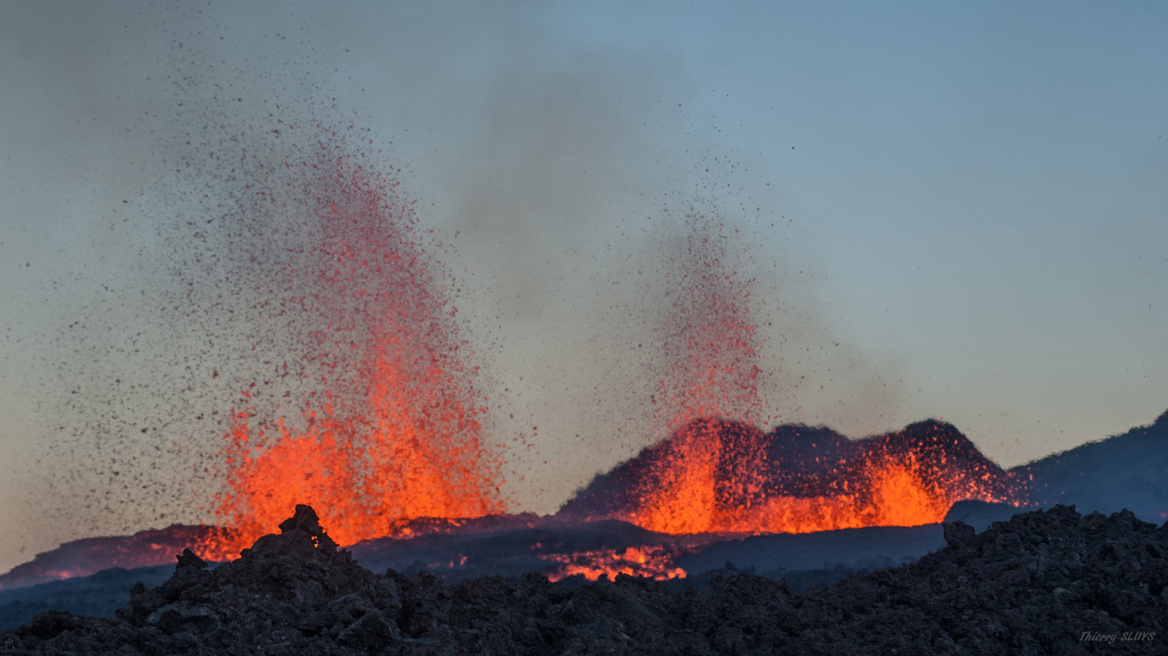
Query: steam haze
x=948, y=212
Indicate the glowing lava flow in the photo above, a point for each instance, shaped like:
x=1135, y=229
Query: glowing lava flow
x=647, y=561
x=391, y=430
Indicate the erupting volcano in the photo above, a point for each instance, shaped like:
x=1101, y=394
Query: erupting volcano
x=335, y=330
x=394, y=431
x=511, y=328
x=716, y=472
x=347, y=382
x=359, y=395
x=374, y=414
x=341, y=376
x=391, y=430
x=728, y=477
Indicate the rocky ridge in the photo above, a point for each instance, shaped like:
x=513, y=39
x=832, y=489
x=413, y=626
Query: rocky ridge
x=1045, y=582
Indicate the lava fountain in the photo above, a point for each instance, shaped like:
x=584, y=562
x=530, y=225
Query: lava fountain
x=388, y=419
x=379, y=420
x=710, y=367
x=714, y=475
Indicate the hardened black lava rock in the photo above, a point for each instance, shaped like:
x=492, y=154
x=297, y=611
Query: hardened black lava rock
x=1046, y=582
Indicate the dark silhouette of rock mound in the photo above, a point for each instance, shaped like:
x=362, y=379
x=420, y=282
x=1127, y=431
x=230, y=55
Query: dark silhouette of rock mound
x=1046, y=582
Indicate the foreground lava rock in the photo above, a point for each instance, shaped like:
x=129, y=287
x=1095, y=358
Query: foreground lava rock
x=1044, y=582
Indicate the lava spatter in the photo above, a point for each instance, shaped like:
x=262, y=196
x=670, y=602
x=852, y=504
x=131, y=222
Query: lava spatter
x=385, y=423
x=711, y=355
x=711, y=367
x=795, y=479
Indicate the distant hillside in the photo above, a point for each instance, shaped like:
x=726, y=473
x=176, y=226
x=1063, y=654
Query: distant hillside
x=143, y=549
x=99, y=594
x=1125, y=471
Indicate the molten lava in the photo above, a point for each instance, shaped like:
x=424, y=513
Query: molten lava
x=714, y=475
x=653, y=562
x=726, y=477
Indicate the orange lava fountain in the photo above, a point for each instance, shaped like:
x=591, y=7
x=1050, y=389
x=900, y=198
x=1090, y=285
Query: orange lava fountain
x=391, y=430
x=713, y=475
x=712, y=367
x=707, y=481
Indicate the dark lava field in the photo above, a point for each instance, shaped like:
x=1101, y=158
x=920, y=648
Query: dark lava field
x=1044, y=582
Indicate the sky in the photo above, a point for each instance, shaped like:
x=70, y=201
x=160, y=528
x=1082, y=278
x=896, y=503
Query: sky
x=952, y=210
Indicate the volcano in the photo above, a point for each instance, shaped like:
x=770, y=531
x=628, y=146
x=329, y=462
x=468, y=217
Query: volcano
x=595, y=537
x=792, y=480
x=716, y=475
x=713, y=479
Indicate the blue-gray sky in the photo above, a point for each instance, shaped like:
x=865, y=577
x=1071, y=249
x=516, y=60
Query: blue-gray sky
x=952, y=209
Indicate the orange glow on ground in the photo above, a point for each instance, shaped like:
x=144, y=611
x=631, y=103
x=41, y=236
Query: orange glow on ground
x=649, y=562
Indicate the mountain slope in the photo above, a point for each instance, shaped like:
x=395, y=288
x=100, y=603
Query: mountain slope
x=1124, y=471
